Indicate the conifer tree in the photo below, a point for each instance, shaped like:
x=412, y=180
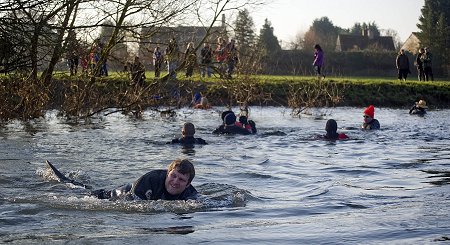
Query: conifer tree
x=267, y=40
x=434, y=25
x=244, y=31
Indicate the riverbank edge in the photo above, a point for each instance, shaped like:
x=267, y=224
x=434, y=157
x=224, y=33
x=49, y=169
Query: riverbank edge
x=81, y=97
x=356, y=93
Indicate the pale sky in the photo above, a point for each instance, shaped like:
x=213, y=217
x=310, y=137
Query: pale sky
x=289, y=17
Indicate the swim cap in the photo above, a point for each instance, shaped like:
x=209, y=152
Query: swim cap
x=224, y=114
x=370, y=111
x=230, y=119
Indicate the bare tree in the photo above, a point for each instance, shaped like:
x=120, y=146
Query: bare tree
x=69, y=12
x=33, y=19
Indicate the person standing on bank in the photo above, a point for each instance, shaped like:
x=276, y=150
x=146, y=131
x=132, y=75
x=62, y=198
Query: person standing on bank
x=318, y=61
x=402, y=63
x=427, y=58
x=419, y=64
x=190, y=58
x=157, y=61
x=172, y=56
x=206, y=59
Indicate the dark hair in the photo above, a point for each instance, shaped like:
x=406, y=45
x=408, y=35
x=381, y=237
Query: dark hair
x=331, y=128
x=224, y=114
x=230, y=119
x=188, y=129
x=317, y=46
x=183, y=166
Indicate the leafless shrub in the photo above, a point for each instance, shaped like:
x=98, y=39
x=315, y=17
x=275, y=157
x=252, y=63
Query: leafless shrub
x=302, y=96
x=22, y=98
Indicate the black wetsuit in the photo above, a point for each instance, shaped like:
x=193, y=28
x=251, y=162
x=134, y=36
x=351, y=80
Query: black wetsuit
x=233, y=129
x=150, y=186
x=417, y=110
x=188, y=141
x=374, y=124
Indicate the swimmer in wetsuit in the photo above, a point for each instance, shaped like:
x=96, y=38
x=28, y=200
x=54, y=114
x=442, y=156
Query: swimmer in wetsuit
x=188, y=138
x=245, y=123
x=171, y=184
x=230, y=127
x=419, y=108
x=332, y=134
x=369, y=121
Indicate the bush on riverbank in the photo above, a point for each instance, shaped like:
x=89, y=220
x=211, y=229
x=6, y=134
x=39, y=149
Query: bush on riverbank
x=82, y=97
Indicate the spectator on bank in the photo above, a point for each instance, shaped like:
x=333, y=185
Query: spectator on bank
x=419, y=64
x=190, y=58
x=157, y=61
x=221, y=56
x=231, y=57
x=402, y=63
x=73, y=60
x=427, y=58
x=206, y=59
x=318, y=61
x=137, y=72
x=172, y=56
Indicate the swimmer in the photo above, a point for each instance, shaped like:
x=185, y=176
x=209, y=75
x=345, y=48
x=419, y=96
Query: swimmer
x=419, y=108
x=187, y=138
x=331, y=128
x=171, y=184
x=369, y=121
x=229, y=125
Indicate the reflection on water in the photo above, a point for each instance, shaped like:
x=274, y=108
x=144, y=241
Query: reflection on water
x=279, y=186
x=183, y=230
x=438, y=177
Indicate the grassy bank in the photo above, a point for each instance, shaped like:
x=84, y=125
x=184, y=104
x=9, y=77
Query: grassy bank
x=382, y=92
x=82, y=97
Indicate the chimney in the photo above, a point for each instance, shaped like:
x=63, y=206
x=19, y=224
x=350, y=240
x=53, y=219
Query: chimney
x=370, y=34
x=223, y=20
x=365, y=32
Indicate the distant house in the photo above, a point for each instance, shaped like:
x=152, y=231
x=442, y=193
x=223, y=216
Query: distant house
x=412, y=44
x=366, y=41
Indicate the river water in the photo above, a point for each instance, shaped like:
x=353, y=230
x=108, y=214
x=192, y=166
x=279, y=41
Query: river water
x=281, y=186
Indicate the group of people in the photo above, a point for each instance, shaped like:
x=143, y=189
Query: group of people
x=174, y=183
x=225, y=56
x=423, y=63
x=89, y=60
